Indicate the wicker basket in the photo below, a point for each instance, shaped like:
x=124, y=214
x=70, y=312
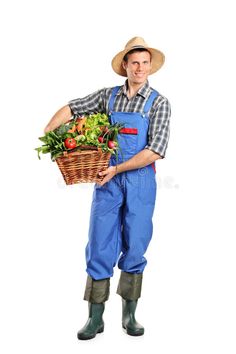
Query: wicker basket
x=82, y=166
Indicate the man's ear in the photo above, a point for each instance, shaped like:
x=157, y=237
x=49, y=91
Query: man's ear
x=124, y=65
x=150, y=66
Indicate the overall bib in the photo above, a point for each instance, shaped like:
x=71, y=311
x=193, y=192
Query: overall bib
x=121, y=213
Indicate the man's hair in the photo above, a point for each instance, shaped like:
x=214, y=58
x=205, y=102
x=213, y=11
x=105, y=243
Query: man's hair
x=134, y=51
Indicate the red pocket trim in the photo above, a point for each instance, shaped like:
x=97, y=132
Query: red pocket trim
x=133, y=131
x=154, y=167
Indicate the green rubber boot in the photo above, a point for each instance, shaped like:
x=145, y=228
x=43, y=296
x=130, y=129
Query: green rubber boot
x=129, y=323
x=94, y=323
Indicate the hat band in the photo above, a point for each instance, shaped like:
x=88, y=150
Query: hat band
x=138, y=46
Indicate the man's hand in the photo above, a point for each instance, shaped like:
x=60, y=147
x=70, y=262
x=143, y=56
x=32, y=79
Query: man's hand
x=141, y=159
x=109, y=173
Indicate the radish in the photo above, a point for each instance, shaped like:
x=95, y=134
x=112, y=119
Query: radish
x=111, y=144
x=100, y=139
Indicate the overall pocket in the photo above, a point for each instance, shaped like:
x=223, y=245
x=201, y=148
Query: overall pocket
x=128, y=144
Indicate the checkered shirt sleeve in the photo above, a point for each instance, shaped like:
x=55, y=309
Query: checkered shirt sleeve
x=159, y=127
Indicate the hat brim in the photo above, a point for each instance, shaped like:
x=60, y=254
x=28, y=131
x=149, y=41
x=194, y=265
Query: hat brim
x=157, y=60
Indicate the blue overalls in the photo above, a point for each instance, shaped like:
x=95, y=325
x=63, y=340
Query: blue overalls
x=121, y=213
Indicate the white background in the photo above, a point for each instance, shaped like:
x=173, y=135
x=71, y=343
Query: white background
x=54, y=51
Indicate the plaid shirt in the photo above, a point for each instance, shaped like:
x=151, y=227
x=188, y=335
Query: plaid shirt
x=159, y=114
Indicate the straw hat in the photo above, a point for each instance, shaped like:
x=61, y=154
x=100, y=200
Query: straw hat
x=158, y=57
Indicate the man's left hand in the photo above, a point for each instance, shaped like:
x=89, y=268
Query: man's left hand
x=108, y=174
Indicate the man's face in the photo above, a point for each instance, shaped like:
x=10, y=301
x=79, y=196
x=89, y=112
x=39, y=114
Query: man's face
x=138, y=67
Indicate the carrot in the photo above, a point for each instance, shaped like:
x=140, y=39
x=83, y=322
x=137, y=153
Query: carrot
x=72, y=130
x=81, y=122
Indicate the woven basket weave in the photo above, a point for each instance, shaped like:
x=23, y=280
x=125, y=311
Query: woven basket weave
x=83, y=166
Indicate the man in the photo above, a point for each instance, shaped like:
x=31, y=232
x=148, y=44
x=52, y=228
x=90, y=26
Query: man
x=123, y=204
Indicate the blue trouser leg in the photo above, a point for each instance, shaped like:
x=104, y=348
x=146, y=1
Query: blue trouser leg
x=121, y=221
x=140, y=195
x=103, y=247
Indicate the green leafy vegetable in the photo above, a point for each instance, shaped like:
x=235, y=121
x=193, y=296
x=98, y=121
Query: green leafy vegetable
x=87, y=131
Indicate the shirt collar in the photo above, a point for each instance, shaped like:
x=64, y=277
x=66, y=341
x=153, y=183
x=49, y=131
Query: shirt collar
x=143, y=91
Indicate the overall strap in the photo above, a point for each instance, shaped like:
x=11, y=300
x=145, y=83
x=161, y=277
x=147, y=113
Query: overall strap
x=149, y=102
x=113, y=96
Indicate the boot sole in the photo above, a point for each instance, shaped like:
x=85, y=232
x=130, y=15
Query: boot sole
x=83, y=337
x=132, y=333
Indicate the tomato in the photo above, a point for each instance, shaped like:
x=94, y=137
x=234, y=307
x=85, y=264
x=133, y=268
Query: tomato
x=100, y=139
x=111, y=144
x=70, y=143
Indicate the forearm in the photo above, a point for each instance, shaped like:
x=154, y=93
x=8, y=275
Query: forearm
x=142, y=159
x=60, y=117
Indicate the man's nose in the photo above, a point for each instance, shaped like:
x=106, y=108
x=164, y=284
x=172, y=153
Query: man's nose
x=140, y=67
